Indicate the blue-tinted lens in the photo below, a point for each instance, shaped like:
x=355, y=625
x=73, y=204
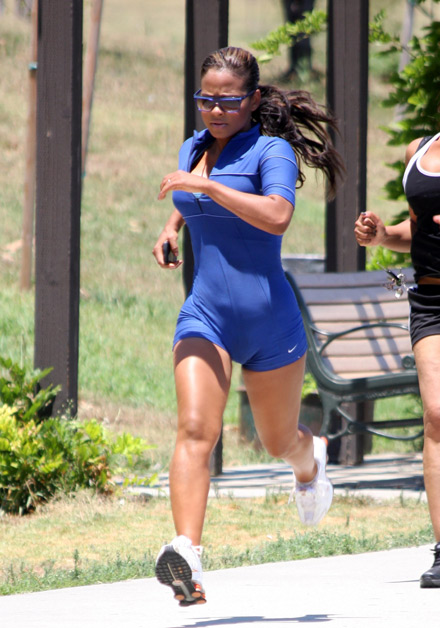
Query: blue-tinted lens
x=230, y=105
x=208, y=104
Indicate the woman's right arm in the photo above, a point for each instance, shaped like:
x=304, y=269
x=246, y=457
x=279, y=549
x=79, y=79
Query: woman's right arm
x=169, y=233
x=369, y=230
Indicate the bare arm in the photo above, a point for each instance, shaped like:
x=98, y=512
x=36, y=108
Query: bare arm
x=369, y=230
x=270, y=213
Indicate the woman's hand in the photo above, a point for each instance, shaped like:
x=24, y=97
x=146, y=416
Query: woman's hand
x=170, y=233
x=181, y=180
x=158, y=250
x=369, y=229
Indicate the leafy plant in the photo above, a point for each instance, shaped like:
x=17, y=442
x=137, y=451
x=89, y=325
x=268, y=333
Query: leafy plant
x=313, y=23
x=21, y=391
x=290, y=33
x=39, y=458
x=415, y=90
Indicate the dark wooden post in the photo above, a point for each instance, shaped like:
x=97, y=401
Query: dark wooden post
x=58, y=194
x=347, y=96
x=206, y=31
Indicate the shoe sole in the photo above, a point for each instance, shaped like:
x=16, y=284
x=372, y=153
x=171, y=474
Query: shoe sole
x=428, y=583
x=173, y=571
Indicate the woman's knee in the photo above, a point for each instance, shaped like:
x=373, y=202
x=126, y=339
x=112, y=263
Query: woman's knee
x=432, y=422
x=198, y=430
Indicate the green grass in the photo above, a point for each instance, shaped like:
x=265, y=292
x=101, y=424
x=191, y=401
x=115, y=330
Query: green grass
x=22, y=579
x=86, y=540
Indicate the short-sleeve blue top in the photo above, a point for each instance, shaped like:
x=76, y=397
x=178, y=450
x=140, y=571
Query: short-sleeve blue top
x=240, y=299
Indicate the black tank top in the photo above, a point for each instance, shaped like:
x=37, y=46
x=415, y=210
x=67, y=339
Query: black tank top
x=422, y=189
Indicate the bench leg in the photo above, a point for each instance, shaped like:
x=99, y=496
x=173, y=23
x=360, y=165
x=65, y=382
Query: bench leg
x=355, y=446
x=216, y=462
x=350, y=449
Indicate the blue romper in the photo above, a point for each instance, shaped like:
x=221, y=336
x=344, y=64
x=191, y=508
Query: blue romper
x=240, y=299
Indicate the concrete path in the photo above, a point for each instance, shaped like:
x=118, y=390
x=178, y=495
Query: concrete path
x=372, y=590
x=383, y=476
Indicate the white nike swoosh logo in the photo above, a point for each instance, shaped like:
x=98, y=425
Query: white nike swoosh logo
x=292, y=349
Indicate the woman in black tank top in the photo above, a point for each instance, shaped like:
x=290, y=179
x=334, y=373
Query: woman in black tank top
x=420, y=235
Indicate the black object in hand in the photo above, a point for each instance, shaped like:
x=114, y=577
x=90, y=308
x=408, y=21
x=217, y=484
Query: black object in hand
x=168, y=255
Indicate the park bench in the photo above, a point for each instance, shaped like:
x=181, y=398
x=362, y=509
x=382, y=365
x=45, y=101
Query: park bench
x=359, y=348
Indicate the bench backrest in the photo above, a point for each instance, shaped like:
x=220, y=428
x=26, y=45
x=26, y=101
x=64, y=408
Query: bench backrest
x=337, y=302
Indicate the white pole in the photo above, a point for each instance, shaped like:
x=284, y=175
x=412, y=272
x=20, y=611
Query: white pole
x=89, y=75
x=31, y=154
x=407, y=31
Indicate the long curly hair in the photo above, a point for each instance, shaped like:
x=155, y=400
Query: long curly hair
x=290, y=114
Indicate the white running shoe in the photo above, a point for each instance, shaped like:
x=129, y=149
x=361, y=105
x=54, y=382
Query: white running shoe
x=313, y=500
x=178, y=566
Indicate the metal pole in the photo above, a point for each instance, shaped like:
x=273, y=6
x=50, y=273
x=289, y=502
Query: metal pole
x=31, y=153
x=90, y=64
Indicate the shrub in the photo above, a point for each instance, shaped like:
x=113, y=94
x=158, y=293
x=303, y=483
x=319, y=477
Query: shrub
x=40, y=457
x=22, y=392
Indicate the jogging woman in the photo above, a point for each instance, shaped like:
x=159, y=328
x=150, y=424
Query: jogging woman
x=235, y=190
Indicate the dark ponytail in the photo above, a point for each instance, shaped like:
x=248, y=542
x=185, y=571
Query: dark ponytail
x=292, y=115
x=295, y=116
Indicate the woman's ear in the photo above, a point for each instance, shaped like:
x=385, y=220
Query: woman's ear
x=255, y=100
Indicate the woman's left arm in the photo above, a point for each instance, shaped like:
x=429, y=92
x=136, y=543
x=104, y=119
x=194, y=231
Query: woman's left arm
x=271, y=213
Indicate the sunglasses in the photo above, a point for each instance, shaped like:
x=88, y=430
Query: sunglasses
x=228, y=104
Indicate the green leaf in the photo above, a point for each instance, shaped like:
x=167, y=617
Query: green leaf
x=288, y=34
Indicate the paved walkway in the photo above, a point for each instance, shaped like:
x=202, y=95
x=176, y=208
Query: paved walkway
x=382, y=476
x=373, y=590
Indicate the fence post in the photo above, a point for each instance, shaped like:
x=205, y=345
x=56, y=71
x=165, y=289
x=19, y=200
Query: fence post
x=347, y=96
x=206, y=30
x=58, y=195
